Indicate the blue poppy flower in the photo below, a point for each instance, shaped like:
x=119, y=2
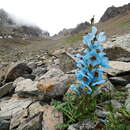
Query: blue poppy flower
x=96, y=46
x=97, y=74
x=80, y=64
x=75, y=89
x=92, y=58
x=98, y=82
x=90, y=63
x=87, y=89
x=104, y=62
x=78, y=55
x=94, y=30
x=101, y=37
x=88, y=38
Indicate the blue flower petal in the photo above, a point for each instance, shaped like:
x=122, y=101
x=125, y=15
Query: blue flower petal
x=101, y=37
x=94, y=29
x=99, y=82
x=74, y=88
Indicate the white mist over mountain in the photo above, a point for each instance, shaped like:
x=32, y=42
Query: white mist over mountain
x=54, y=15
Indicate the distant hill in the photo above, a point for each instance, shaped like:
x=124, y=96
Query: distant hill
x=10, y=28
x=5, y=18
x=113, y=11
x=79, y=28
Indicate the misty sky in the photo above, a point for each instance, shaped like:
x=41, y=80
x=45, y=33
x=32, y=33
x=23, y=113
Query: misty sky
x=54, y=15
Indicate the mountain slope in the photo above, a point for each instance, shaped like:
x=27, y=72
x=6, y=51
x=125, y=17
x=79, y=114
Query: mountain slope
x=113, y=11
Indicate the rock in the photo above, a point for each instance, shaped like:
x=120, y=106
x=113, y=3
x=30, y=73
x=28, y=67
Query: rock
x=33, y=123
x=53, y=72
x=17, y=81
x=102, y=114
x=18, y=118
x=67, y=62
x=127, y=102
x=118, y=68
x=116, y=104
x=1, y=80
x=40, y=71
x=122, y=55
x=51, y=118
x=36, y=108
x=11, y=106
x=58, y=52
x=118, y=81
x=127, y=86
x=55, y=86
x=26, y=88
x=84, y=125
x=106, y=88
x=25, y=85
x=17, y=70
x=7, y=88
x=4, y=125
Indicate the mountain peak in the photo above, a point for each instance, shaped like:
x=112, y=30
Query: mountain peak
x=115, y=11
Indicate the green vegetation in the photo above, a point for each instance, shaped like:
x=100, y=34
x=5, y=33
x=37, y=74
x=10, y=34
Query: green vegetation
x=73, y=38
x=76, y=109
x=116, y=123
x=125, y=24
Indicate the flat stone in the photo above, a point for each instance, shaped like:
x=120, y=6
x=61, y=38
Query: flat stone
x=53, y=72
x=11, y=106
x=51, y=118
x=25, y=85
x=116, y=104
x=7, y=88
x=118, y=81
x=18, y=118
x=102, y=114
x=118, y=68
x=118, y=53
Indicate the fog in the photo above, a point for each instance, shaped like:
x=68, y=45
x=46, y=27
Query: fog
x=54, y=15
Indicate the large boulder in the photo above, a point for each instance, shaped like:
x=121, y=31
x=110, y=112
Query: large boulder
x=18, y=70
x=55, y=86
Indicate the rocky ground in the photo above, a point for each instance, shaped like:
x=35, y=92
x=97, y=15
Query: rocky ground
x=28, y=85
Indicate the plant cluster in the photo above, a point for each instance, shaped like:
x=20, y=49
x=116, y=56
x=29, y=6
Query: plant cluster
x=82, y=104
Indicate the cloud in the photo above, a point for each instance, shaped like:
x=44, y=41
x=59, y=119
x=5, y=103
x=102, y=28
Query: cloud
x=54, y=15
